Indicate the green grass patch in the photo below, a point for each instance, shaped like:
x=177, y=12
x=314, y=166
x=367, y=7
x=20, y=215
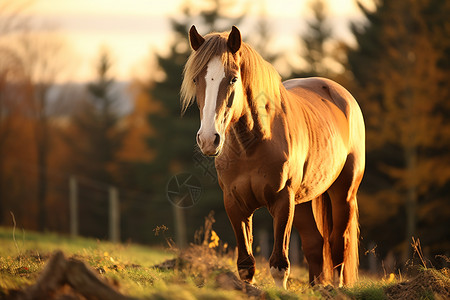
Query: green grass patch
x=24, y=255
x=367, y=291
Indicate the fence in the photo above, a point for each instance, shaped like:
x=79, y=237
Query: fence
x=114, y=211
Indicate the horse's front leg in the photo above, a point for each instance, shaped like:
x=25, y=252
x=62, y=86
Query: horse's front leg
x=282, y=210
x=241, y=220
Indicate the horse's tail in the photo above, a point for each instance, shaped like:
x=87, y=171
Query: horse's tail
x=351, y=240
x=322, y=214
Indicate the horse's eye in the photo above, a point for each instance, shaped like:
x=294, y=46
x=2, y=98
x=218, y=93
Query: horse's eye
x=195, y=81
x=233, y=80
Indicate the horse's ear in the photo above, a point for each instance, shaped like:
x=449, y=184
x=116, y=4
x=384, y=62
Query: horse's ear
x=234, y=40
x=195, y=38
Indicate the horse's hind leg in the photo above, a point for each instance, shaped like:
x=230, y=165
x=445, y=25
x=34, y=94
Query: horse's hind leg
x=344, y=235
x=242, y=226
x=312, y=240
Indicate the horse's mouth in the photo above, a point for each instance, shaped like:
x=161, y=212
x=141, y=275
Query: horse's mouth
x=216, y=154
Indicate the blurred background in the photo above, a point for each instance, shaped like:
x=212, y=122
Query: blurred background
x=91, y=132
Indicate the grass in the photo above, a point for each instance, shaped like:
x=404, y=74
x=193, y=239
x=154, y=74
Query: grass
x=129, y=266
x=200, y=272
x=22, y=257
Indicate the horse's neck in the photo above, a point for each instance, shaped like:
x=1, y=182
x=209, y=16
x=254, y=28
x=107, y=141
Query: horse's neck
x=243, y=135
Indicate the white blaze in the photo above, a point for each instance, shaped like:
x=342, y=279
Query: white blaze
x=214, y=75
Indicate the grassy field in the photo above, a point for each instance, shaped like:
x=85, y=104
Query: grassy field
x=22, y=258
x=200, y=272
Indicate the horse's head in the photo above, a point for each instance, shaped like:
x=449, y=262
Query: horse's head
x=212, y=75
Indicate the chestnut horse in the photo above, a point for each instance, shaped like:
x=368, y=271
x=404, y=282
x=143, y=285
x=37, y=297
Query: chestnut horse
x=295, y=147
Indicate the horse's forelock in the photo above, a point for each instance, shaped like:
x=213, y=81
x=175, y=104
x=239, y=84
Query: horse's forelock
x=215, y=45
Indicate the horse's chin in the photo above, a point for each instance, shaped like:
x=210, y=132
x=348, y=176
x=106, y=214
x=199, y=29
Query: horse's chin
x=214, y=154
x=218, y=152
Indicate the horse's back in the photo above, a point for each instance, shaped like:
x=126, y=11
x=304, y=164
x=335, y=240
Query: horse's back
x=325, y=88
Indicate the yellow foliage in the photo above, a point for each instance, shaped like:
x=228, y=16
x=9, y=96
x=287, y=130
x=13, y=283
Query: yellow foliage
x=214, y=240
x=390, y=279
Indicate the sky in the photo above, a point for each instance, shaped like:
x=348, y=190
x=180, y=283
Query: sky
x=133, y=30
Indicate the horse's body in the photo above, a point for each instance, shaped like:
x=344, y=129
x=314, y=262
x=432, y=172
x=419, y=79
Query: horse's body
x=296, y=148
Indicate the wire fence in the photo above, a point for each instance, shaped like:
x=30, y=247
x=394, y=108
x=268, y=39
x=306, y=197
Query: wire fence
x=74, y=204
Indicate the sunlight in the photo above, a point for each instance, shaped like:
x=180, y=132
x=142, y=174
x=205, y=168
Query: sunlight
x=135, y=29
x=106, y=7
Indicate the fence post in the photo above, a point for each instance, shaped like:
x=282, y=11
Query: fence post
x=180, y=226
x=114, y=217
x=73, y=206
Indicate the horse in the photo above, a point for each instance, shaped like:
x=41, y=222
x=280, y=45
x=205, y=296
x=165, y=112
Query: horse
x=295, y=147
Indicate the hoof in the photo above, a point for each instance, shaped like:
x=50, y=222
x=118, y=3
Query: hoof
x=247, y=275
x=280, y=276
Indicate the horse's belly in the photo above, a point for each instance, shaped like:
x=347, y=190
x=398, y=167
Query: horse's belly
x=318, y=176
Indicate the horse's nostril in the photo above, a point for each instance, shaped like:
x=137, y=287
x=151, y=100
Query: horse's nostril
x=217, y=140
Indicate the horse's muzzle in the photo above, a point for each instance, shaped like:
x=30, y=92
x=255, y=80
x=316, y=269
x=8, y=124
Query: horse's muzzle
x=209, y=144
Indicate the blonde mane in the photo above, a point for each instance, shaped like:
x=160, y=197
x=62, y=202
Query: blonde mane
x=261, y=82
x=263, y=86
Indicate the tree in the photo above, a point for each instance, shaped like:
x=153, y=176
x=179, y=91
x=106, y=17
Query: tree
x=96, y=140
x=400, y=65
x=30, y=65
x=319, y=32
x=14, y=91
x=13, y=17
x=15, y=138
x=320, y=47
x=261, y=38
x=43, y=61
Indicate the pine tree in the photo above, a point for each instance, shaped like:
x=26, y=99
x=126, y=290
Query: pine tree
x=315, y=40
x=96, y=140
x=261, y=39
x=400, y=68
x=106, y=138
x=319, y=32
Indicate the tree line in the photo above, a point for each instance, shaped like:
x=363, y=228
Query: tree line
x=398, y=70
